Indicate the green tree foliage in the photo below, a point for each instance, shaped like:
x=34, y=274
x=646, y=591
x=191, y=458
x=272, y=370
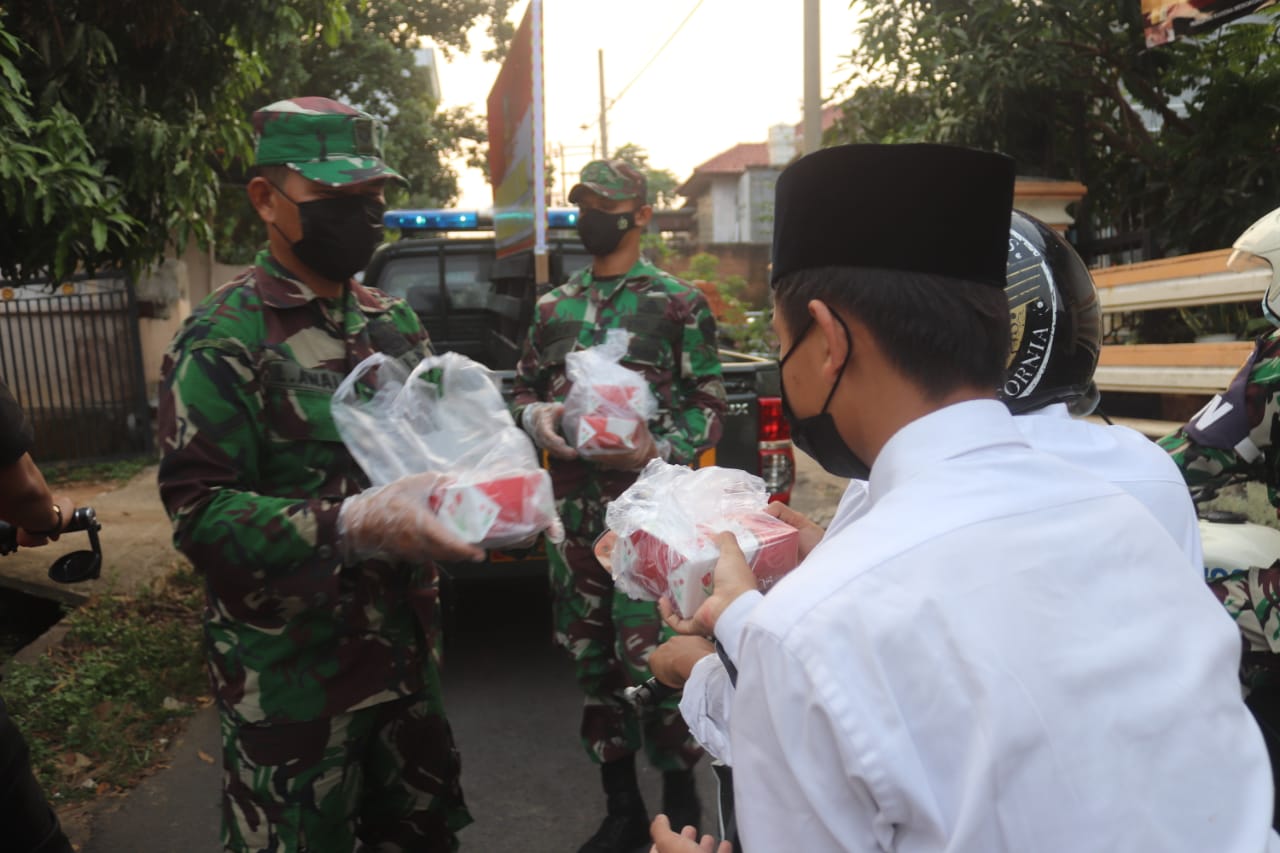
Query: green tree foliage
x=662, y=183
x=118, y=116
x=374, y=66
x=740, y=328
x=1181, y=139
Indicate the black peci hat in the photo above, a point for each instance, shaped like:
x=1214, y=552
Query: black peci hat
x=937, y=209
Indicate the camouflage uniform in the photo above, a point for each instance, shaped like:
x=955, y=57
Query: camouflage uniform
x=1236, y=435
x=325, y=673
x=609, y=635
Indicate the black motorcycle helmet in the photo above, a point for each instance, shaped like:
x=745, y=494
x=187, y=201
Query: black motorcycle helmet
x=1055, y=321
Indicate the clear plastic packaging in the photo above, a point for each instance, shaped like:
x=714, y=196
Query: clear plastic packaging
x=662, y=530
x=447, y=416
x=609, y=405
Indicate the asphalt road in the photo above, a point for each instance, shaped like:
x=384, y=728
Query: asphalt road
x=514, y=706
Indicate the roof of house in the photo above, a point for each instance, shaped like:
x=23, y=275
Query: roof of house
x=733, y=161
x=831, y=113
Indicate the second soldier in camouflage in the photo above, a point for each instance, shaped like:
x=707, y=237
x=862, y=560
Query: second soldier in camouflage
x=673, y=344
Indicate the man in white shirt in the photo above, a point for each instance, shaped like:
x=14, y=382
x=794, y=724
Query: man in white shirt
x=1056, y=322
x=999, y=652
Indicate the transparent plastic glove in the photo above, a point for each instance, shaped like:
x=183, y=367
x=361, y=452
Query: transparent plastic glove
x=542, y=422
x=394, y=521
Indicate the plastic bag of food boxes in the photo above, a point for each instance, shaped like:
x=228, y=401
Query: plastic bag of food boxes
x=609, y=406
x=661, y=538
x=447, y=416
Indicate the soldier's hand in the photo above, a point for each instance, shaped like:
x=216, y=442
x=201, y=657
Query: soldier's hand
x=810, y=534
x=631, y=460
x=542, y=422
x=396, y=521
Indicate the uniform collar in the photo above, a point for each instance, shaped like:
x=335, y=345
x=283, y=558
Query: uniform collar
x=279, y=288
x=607, y=288
x=949, y=432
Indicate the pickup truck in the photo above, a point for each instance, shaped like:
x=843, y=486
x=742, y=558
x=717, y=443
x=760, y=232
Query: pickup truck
x=473, y=303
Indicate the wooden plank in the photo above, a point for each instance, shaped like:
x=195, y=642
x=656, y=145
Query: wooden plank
x=1229, y=354
x=1184, y=291
x=1164, y=380
x=1179, y=266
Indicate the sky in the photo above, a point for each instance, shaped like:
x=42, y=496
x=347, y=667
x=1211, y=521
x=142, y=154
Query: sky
x=733, y=70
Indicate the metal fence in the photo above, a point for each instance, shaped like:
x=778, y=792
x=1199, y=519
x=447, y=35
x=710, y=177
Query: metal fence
x=72, y=356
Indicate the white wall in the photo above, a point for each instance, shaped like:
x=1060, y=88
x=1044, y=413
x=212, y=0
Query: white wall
x=724, y=209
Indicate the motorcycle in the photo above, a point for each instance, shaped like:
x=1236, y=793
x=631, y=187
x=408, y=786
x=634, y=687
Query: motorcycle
x=75, y=567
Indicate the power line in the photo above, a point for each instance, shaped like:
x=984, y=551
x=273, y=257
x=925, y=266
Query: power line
x=652, y=59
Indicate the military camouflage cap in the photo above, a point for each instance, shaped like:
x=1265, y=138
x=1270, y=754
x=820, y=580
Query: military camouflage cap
x=616, y=180
x=322, y=140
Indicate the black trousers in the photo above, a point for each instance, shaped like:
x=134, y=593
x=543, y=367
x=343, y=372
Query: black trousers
x=1264, y=702
x=30, y=826
x=728, y=817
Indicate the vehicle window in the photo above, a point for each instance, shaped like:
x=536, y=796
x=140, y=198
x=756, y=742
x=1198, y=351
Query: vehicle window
x=467, y=278
x=421, y=275
x=417, y=280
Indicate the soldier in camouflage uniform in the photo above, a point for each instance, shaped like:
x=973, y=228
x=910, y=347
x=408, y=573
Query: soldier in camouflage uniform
x=673, y=344
x=1235, y=435
x=321, y=603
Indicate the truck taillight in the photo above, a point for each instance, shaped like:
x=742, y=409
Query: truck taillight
x=777, y=461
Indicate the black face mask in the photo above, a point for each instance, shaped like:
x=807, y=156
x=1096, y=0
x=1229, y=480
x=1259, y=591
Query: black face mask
x=817, y=435
x=339, y=233
x=602, y=232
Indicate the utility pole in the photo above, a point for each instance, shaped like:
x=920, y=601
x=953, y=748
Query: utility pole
x=812, y=78
x=564, y=179
x=604, y=126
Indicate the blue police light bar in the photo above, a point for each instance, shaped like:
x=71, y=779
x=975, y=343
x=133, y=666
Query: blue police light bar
x=465, y=220
x=562, y=217
x=432, y=220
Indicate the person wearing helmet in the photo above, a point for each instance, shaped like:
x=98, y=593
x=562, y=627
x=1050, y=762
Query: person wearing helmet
x=1235, y=437
x=1055, y=335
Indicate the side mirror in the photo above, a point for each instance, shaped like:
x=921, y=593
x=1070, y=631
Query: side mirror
x=76, y=567
x=80, y=566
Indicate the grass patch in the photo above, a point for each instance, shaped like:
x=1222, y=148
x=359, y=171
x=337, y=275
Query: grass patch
x=118, y=471
x=98, y=709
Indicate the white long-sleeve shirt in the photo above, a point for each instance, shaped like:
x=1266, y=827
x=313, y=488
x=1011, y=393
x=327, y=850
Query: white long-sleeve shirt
x=999, y=654
x=1117, y=454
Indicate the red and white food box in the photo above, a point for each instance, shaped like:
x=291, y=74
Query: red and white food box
x=606, y=434
x=610, y=422
x=497, y=513
x=685, y=570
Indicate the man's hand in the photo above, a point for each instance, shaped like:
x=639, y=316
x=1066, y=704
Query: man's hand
x=732, y=578
x=672, y=661
x=542, y=422
x=810, y=534
x=395, y=520
x=58, y=518
x=665, y=840
x=631, y=460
